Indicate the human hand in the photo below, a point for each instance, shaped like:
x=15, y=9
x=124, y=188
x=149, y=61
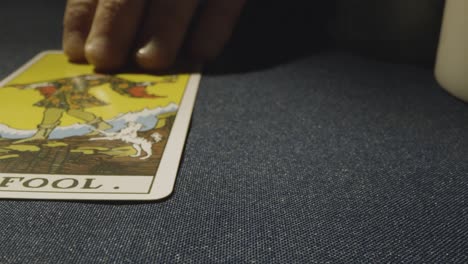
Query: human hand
x=107, y=33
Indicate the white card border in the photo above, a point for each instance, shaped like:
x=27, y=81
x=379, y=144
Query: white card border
x=164, y=180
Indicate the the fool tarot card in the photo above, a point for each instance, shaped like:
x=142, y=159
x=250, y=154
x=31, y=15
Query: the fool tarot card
x=67, y=132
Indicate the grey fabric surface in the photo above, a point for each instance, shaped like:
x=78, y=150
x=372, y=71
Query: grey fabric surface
x=326, y=158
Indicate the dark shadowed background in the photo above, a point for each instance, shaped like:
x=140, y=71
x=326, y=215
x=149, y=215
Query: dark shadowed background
x=299, y=150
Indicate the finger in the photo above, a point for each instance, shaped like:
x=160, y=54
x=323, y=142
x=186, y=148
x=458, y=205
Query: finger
x=114, y=26
x=163, y=32
x=217, y=21
x=76, y=25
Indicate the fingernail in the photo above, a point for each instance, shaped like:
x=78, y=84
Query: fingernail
x=148, y=49
x=95, y=49
x=152, y=56
x=73, y=46
x=99, y=52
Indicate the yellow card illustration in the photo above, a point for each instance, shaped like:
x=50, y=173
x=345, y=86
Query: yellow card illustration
x=67, y=132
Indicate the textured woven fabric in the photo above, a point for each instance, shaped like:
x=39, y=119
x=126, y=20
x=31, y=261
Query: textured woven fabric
x=326, y=158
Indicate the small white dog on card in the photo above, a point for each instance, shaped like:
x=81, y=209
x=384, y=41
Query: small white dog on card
x=130, y=135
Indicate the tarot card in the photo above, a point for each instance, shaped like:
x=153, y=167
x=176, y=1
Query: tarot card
x=69, y=133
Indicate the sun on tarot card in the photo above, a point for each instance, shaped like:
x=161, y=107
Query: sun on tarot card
x=67, y=132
